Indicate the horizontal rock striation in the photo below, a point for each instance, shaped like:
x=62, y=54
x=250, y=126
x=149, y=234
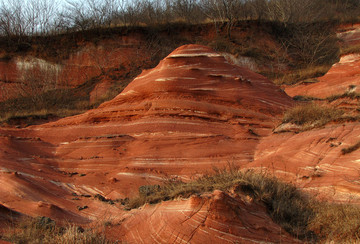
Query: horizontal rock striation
x=191, y=113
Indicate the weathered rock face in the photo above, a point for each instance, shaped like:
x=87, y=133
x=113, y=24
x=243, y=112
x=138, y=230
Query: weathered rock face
x=114, y=57
x=314, y=161
x=218, y=217
x=191, y=113
x=342, y=77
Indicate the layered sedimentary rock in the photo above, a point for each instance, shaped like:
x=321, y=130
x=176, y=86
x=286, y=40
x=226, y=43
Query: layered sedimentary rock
x=323, y=160
x=315, y=160
x=218, y=217
x=115, y=58
x=191, y=113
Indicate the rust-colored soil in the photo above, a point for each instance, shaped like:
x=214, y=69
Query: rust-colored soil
x=190, y=114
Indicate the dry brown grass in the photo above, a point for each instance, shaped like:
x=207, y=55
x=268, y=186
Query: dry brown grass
x=306, y=75
x=352, y=49
x=336, y=223
x=297, y=212
x=44, y=230
x=351, y=95
x=311, y=115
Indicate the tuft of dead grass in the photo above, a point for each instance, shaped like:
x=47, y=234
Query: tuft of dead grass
x=311, y=115
x=44, y=230
x=336, y=223
x=350, y=95
x=304, y=75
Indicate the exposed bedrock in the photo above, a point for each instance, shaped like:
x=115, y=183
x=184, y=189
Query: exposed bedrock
x=191, y=113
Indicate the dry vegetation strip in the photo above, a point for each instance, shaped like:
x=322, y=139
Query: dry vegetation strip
x=44, y=230
x=311, y=115
x=304, y=75
x=297, y=212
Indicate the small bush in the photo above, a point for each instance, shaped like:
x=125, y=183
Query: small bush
x=311, y=115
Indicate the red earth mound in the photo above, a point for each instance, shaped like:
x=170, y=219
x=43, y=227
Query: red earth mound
x=218, y=217
x=191, y=113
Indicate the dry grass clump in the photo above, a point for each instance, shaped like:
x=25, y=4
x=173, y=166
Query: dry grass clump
x=44, y=230
x=306, y=75
x=311, y=115
x=336, y=223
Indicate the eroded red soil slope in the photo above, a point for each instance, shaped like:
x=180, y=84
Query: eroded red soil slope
x=217, y=217
x=191, y=113
x=106, y=61
x=315, y=159
x=342, y=77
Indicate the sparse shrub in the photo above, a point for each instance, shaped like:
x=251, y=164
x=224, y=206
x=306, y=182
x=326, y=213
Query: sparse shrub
x=221, y=44
x=308, y=43
x=351, y=95
x=311, y=115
